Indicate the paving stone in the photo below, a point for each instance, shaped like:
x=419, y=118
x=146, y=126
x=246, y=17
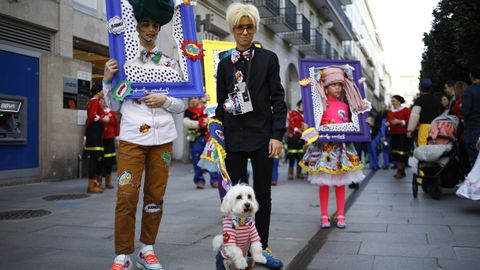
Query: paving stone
x=402, y=263
x=338, y=247
x=341, y=262
x=406, y=250
x=385, y=237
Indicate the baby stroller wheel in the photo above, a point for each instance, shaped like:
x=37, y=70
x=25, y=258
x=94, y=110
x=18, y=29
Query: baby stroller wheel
x=435, y=191
x=414, y=187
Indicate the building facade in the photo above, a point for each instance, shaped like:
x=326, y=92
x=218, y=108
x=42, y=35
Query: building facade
x=54, y=50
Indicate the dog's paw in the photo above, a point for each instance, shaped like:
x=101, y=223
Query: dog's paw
x=240, y=263
x=259, y=258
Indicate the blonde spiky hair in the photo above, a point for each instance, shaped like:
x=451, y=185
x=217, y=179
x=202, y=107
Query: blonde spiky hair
x=237, y=11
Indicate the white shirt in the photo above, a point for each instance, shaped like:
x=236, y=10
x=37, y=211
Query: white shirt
x=144, y=126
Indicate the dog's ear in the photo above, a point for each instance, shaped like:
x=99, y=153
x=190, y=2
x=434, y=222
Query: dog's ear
x=227, y=203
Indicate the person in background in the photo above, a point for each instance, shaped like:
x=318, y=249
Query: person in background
x=294, y=143
x=397, y=120
x=449, y=90
x=470, y=109
x=445, y=104
x=425, y=108
x=111, y=130
x=94, y=148
x=460, y=87
x=256, y=132
x=195, y=120
x=380, y=139
x=276, y=160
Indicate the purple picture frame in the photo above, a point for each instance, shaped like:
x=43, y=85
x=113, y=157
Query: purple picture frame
x=191, y=88
x=363, y=133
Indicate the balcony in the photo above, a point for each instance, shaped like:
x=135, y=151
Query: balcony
x=348, y=50
x=315, y=48
x=331, y=10
x=328, y=50
x=286, y=21
x=302, y=35
x=266, y=8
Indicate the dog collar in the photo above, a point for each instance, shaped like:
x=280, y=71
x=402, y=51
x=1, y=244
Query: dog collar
x=238, y=221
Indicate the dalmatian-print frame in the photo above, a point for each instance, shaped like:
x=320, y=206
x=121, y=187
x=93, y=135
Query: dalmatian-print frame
x=355, y=131
x=124, y=47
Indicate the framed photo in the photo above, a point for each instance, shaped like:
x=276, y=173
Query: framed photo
x=214, y=52
x=357, y=129
x=184, y=81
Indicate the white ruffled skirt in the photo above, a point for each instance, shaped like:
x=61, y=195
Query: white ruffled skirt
x=470, y=188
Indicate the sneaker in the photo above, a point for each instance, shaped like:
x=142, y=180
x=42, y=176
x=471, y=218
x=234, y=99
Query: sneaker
x=122, y=262
x=272, y=262
x=147, y=259
x=274, y=182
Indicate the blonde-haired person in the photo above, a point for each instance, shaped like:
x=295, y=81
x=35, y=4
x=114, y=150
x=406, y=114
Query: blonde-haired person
x=253, y=129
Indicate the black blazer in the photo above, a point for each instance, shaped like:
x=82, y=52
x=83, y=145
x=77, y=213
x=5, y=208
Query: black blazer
x=248, y=132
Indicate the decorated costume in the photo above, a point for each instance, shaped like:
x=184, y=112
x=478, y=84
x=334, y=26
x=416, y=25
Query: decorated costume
x=400, y=143
x=195, y=120
x=253, y=76
x=111, y=130
x=94, y=140
x=294, y=143
x=145, y=143
x=148, y=65
x=333, y=163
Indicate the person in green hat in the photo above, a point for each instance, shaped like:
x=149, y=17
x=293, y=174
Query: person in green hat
x=150, y=62
x=147, y=132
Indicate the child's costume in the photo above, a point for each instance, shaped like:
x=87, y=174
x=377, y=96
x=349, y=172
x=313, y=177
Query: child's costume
x=329, y=163
x=294, y=143
x=334, y=163
x=111, y=129
x=194, y=119
x=94, y=142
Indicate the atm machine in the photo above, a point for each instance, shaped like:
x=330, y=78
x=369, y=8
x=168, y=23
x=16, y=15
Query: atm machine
x=13, y=120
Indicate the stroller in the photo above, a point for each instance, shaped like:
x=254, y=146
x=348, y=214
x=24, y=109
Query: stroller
x=438, y=161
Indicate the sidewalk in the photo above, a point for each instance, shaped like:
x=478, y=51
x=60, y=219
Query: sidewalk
x=388, y=229
x=78, y=234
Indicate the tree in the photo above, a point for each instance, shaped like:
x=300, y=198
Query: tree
x=453, y=43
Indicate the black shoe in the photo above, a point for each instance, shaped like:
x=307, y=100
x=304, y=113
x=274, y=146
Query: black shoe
x=354, y=186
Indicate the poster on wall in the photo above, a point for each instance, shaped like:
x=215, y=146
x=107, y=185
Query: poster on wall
x=355, y=128
x=143, y=68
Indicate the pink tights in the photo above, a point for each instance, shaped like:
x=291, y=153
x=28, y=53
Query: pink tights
x=323, y=193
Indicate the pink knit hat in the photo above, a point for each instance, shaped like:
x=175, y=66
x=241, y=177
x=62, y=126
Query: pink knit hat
x=332, y=75
x=342, y=74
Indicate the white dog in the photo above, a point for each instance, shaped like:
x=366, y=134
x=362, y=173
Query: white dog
x=239, y=232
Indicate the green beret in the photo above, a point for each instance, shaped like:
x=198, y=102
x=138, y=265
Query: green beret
x=160, y=11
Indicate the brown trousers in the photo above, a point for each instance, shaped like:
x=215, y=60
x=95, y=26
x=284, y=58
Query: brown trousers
x=132, y=160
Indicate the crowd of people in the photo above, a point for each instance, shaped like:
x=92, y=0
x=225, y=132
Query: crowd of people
x=255, y=140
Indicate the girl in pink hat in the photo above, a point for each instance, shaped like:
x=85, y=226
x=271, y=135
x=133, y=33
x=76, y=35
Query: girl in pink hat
x=333, y=163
